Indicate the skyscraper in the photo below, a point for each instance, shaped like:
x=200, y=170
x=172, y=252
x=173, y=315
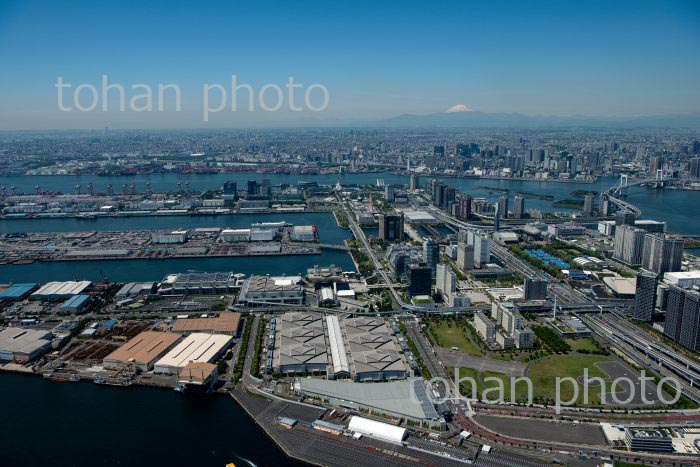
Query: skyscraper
x=446, y=279
x=389, y=193
x=431, y=254
x=391, y=227
x=662, y=253
x=497, y=217
x=465, y=208
x=645, y=296
x=252, y=187
x=519, y=207
x=465, y=256
x=683, y=317
x=503, y=207
x=588, y=201
x=629, y=245
x=482, y=248
x=414, y=182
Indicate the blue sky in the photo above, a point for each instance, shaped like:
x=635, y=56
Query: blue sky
x=377, y=59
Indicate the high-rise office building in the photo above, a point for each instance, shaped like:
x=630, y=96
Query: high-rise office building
x=465, y=256
x=266, y=187
x=655, y=163
x=694, y=167
x=482, y=248
x=464, y=211
x=588, y=201
x=662, y=253
x=253, y=187
x=450, y=198
x=604, y=205
x=431, y=254
x=683, y=317
x=503, y=207
x=419, y=280
x=624, y=218
x=389, y=193
x=645, y=296
x=519, y=207
x=391, y=227
x=445, y=279
x=497, y=217
x=629, y=245
x=535, y=289
x=414, y=182
x=230, y=187
x=438, y=193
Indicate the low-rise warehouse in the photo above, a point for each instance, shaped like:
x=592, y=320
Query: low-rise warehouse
x=17, y=291
x=262, y=290
x=142, y=351
x=23, y=344
x=75, y=304
x=199, y=283
x=136, y=288
x=55, y=290
x=195, y=348
x=228, y=323
x=198, y=374
x=303, y=233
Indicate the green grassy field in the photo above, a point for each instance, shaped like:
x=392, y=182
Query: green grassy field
x=582, y=344
x=454, y=336
x=544, y=373
x=482, y=384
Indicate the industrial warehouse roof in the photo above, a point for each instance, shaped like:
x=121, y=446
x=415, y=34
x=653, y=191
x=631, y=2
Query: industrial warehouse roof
x=225, y=323
x=145, y=347
x=419, y=217
x=75, y=301
x=197, y=347
x=61, y=289
x=196, y=372
x=17, y=291
x=373, y=428
x=621, y=285
x=19, y=340
x=135, y=288
x=371, y=347
x=405, y=398
x=300, y=340
x=335, y=339
x=272, y=284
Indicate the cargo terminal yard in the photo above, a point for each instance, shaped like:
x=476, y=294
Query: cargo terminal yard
x=263, y=239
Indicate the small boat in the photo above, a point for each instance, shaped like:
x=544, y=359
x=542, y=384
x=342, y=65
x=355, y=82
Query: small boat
x=62, y=377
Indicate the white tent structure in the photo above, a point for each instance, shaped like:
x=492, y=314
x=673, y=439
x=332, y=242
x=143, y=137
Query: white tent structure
x=379, y=430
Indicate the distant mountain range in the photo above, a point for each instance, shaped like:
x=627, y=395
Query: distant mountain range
x=477, y=119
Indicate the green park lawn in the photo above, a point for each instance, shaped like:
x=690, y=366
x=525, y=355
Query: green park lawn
x=454, y=336
x=544, y=373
